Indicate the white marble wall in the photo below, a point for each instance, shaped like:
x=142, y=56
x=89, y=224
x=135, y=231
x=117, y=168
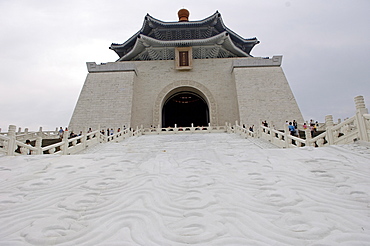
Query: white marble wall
x=264, y=94
x=132, y=94
x=105, y=100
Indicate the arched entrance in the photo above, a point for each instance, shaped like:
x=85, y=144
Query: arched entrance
x=184, y=108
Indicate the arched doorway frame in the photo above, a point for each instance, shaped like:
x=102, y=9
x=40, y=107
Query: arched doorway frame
x=184, y=85
x=198, y=115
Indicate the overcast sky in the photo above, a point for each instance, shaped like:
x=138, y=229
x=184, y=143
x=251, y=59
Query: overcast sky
x=44, y=47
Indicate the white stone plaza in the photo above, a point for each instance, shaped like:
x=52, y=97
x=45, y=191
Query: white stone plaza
x=187, y=189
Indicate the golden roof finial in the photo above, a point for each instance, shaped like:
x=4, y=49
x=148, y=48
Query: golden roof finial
x=183, y=14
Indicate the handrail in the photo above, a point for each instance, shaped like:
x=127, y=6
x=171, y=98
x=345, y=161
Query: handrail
x=342, y=133
x=76, y=144
x=354, y=128
x=182, y=130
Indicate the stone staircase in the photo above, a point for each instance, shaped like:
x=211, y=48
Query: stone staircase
x=263, y=144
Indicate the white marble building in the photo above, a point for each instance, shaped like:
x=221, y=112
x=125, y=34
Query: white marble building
x=185, y=72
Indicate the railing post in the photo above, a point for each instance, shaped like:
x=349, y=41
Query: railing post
x=99, y=134
x=329, y=132
x=232, y=130
x=38, y=144
x=65, y=144
x=258, y=131
x=272, y=134
x=361, y=123
x=308, y=136
x=286, y=135
x=11, y=143
x=84, y=138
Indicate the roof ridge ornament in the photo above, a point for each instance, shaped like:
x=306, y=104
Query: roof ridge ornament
x=183, y=15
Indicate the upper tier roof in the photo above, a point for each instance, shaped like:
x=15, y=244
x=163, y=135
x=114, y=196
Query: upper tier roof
x=186, y=33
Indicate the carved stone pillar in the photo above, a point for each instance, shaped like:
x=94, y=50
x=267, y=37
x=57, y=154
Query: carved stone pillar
x=11, y=144
x=329, y=132
x=38, y=145
x=65, y=145
x=286, y=136
x=84, y=137
x=360, y=120
x=307, y=133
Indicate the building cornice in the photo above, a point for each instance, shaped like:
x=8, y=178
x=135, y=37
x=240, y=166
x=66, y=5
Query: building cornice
x=275, y=61
x=144, y=42
x=92, y=67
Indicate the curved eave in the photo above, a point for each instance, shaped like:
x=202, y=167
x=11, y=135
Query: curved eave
x=148, y=25
x=132, y=40
x=236, y=36
x=151, y=22
x=222, y=39
x=216, y=18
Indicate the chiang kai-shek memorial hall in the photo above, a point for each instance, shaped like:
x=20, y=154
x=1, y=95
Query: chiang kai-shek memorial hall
x=185, y=72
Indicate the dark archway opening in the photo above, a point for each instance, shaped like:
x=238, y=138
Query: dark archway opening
x=184, y=108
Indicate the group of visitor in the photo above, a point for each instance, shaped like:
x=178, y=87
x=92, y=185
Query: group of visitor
x=110, y=131
x=24, y=150
x=251, y=128
x=61, y=132
x=312, y=126
x=293, y=128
